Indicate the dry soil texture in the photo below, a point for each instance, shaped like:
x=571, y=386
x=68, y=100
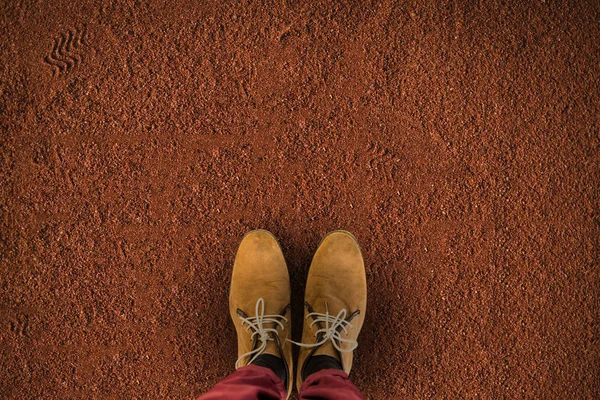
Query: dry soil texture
x=458, y=140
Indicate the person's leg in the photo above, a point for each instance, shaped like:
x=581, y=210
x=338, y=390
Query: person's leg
x=329, y=384
x=248, y=383
x=335, y=302
x=259, y=305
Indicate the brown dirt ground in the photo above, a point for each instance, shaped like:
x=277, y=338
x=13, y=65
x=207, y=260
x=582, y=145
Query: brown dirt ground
x=458, y=141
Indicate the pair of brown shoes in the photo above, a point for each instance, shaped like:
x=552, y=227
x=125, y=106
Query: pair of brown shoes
x=335, y=302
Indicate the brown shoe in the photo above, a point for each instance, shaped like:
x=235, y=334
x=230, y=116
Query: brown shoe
x=335, y=302
x=259, y=301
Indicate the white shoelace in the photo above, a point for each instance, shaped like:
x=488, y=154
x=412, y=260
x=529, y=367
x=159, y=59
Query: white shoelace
x=257, y=323
x=331, y=332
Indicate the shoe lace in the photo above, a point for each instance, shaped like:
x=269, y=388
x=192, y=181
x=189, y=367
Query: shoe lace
x=332, y=330
x=257, y=323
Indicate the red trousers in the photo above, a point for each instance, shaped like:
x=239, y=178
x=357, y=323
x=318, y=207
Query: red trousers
x=259, y=383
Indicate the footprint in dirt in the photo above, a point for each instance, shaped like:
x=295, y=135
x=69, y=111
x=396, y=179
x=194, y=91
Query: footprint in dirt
x=380, y=163
x=66, y=52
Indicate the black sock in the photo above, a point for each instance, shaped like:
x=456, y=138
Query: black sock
x=274, y=363
x=317, y=363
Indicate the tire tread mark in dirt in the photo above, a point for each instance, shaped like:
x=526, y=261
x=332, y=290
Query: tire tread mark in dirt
x=63, y=57
x=380, y=163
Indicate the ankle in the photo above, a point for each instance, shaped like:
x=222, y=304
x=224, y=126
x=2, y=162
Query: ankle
x=274, y=363
x=317, y=363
